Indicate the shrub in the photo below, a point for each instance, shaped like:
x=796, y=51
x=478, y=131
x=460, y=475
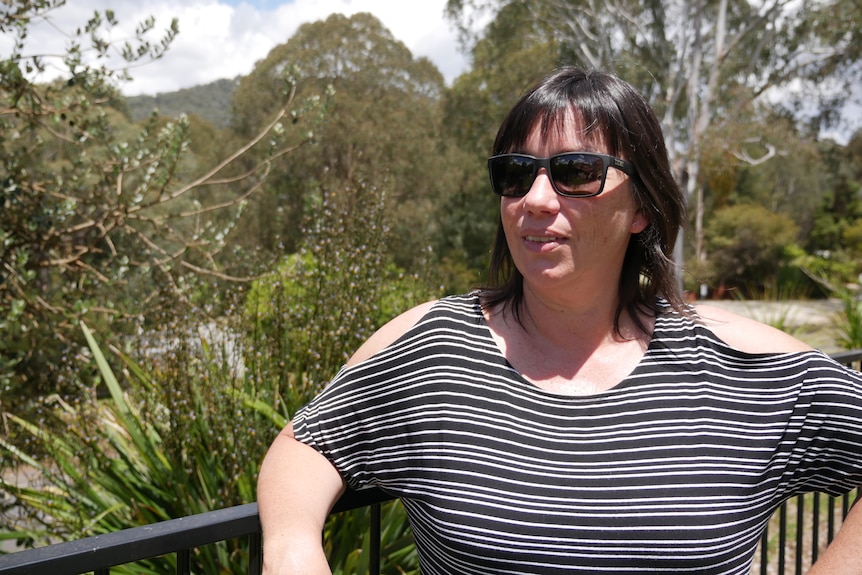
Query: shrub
x=747, y=245
x=849, y=324
x=305, y=320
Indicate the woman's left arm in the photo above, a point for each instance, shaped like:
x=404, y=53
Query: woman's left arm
x=844, y=554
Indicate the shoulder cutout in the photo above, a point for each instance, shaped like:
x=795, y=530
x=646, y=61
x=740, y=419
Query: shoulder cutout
x=390, y=332
x=746, y=334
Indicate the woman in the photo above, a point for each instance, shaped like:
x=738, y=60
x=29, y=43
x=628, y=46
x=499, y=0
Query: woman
x=575, y=416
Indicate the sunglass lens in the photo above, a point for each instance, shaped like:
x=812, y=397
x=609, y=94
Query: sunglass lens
x=577, y=174
x=512, y=175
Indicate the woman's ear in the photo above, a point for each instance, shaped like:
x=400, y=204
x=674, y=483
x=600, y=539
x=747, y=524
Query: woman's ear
x=640, y=221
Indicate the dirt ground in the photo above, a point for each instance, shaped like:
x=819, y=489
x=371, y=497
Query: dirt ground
x=812, y=321
x=21, y=476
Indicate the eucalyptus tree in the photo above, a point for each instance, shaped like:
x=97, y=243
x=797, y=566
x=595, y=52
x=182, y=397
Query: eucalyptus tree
x=704, y=64
x=379, y=134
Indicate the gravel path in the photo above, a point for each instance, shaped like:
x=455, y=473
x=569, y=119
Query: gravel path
x=812, y=321
x=795, y=313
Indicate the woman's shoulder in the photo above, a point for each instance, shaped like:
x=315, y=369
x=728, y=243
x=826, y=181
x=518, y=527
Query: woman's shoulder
x=745, y=334
x=452, y=306
x=391, y=331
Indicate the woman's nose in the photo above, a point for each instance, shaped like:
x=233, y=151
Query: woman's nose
x=542, y=197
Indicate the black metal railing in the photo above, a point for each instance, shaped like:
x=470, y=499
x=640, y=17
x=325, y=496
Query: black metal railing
x=852, y=358
x=800, y=531
x=813, y=520
x=99, y=553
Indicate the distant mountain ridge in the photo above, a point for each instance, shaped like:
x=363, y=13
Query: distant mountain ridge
x=212, y=102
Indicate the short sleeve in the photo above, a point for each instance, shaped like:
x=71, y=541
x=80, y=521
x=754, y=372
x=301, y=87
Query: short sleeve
x=336, y=424
x=825, y=430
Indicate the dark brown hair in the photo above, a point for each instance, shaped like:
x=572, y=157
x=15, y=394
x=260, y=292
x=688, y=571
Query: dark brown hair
x=616, y=115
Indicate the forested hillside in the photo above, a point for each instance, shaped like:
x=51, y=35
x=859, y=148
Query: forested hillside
x=211, y=102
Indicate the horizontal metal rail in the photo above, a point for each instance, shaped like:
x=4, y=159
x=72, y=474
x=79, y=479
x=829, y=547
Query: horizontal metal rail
x=852, y=358
x=100, y=552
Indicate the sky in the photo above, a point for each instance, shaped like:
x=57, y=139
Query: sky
x=224, y=38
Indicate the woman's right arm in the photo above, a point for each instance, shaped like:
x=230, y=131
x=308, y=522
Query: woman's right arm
x=297, y=486
x=296, y=489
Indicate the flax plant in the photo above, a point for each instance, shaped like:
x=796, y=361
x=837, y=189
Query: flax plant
x=849, y=323
x=136, y=458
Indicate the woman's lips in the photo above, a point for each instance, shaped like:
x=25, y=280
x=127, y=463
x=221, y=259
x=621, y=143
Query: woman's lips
x=543, y=239
x=542, y=242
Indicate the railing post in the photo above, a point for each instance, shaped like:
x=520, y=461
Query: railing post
x=830, y=529
x=782, y=537
x=184, y=561
x=255, y=554
x=800, y=532
x=815, y=528
x=374, y=545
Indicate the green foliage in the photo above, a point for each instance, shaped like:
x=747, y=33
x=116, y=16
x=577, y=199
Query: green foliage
x=62, y=224
x=747, y=244
x=850, y=323
x=381, y=128
x=167, y=443
x=787, y=178
x=832, y=270
x=852, y=236
x=308, y=317
x=836, y=219
x=347, y=540
x=184, y=431
x=102, y=220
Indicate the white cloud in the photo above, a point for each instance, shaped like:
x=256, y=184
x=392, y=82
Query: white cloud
x=219, y=39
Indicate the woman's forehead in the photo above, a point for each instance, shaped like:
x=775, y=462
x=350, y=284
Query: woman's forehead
x=566, y=131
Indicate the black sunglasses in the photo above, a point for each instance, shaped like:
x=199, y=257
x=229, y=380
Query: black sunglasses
x=572, y=174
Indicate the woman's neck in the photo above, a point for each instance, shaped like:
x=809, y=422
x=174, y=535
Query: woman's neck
x=577, y=322
x=569, y=350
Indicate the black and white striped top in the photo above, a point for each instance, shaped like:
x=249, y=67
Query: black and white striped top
x=674, y=470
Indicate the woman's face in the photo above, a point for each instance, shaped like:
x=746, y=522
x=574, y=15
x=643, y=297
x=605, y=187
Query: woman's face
x=570, y=247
